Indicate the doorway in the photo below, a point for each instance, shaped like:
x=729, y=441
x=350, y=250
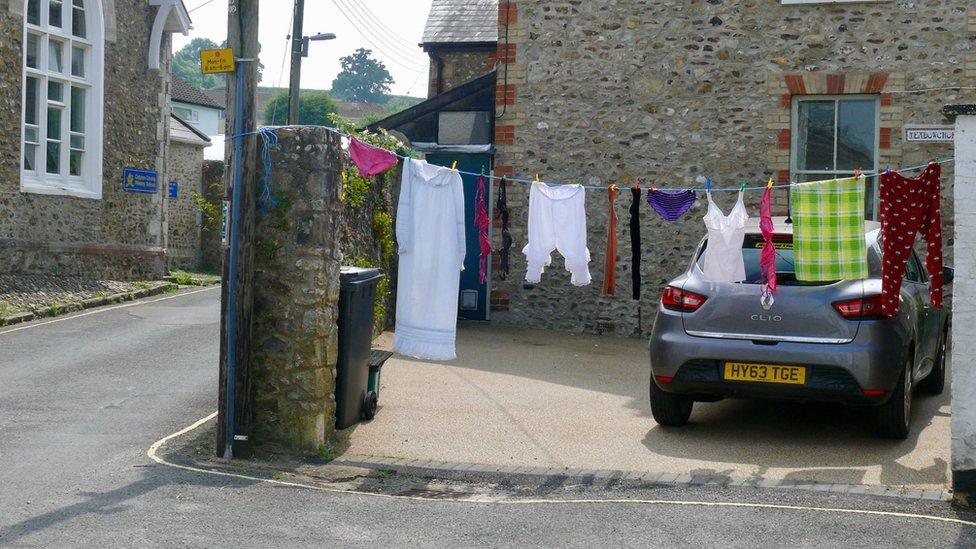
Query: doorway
x=473, y=301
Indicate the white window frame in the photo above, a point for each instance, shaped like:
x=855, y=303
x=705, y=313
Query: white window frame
x=194, y=114
x=89, y=183
x=795, y=172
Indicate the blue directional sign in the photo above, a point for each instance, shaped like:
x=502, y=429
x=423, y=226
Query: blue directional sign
x=174, y=189
x=140, y=181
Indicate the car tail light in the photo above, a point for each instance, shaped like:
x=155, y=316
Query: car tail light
x=874, y=392
x=664, y=379
x=682, y=300
x=865, y=308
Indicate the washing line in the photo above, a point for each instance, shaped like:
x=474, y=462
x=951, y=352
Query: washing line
x=867, y=176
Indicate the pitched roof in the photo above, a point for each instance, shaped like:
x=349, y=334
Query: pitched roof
x=440, y=102
x=462, y=21
x=185, y=92
x=182, y=132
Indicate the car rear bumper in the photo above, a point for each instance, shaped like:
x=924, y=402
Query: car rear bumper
x=692, y=365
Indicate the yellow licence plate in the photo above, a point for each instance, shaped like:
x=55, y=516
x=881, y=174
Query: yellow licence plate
x=765, y=373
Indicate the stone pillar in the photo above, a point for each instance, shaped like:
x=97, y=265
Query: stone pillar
x=296, y=295
x=963, y=351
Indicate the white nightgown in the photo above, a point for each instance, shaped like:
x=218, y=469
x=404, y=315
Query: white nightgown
x=430, y=236
x=726, y=233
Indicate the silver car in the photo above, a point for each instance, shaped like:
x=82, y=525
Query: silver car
x=817, y=342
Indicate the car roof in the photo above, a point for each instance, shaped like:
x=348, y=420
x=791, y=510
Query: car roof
x=780, y=226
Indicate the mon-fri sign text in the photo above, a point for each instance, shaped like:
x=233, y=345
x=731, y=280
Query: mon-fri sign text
x=216, y=61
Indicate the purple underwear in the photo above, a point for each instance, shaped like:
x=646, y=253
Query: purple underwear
x=671, y=204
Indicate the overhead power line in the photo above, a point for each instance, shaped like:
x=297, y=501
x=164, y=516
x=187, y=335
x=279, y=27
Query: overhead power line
x=390, y=32
x=200, y=6
x=382, y=32
x=398, y=59
x=377, y=35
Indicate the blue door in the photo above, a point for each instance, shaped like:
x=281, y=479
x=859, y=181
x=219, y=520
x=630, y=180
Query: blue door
x=473, y=301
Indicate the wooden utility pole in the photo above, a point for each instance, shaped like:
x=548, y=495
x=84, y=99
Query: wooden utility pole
x=297, y=52
x=238, y=268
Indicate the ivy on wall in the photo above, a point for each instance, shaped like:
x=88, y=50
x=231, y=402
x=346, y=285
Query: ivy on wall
x=368, y=204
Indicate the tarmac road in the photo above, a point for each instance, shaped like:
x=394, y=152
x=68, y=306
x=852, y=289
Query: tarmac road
x=84, y=396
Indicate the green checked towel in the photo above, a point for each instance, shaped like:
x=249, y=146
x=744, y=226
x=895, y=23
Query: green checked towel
x=828, y=230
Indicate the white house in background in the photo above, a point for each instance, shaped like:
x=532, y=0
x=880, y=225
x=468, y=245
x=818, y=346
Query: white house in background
x=192, y=105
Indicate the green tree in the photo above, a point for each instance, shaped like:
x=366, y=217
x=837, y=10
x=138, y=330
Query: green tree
x=186, y=63
x=314, y=108
x=362, y=78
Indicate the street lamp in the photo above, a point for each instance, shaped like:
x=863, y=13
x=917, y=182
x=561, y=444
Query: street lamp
x=299, y=49
x=321, y=37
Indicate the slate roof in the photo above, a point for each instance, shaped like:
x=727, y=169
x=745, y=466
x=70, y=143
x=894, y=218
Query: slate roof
x=462, y=21
x=185, y=92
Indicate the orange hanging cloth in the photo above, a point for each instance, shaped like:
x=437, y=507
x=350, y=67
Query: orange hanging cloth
x=610, y=265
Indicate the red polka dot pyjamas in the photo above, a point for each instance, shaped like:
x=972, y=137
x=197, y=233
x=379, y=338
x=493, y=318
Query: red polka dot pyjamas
x=910, y=206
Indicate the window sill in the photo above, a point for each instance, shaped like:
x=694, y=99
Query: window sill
x=57, y=188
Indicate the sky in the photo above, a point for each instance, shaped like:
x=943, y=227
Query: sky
x=391, y=28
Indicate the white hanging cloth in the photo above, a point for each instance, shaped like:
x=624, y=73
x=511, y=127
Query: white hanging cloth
x=430, y=236
x=726, y=233
x=557, y=221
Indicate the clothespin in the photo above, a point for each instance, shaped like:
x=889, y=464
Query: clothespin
x=483, y=171
x=742, y=186
x=770, y=183
x=858, y=173
x=454, y=166
x=888, y=168
x=537, y=180
x=708, y=184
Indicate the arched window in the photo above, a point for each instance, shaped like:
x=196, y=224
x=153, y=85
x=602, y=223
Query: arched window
x=62, y=98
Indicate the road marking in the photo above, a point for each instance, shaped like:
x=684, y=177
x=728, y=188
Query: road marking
x=103, y=310
x=152, y=453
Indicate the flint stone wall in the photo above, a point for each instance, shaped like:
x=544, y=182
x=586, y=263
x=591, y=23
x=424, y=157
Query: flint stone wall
x=458, y=68
x=604, y=92
x=120, y=236
x=211, y=247
x=184, y=218
x=296, y=295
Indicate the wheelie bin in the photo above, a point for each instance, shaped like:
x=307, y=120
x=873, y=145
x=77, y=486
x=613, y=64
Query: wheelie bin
x=357, y=293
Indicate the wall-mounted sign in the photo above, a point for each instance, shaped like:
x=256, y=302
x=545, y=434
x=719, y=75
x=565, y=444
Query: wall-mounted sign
x=174, y=189
x=140, y=181
x=216, y=61
x=930, y=134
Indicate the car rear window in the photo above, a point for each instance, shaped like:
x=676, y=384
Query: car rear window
x=752, y=248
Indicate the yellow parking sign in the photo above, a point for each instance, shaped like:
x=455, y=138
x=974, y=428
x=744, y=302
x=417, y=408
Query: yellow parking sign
x=216, y=61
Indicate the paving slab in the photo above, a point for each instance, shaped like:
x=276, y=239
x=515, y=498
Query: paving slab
x=535, y=398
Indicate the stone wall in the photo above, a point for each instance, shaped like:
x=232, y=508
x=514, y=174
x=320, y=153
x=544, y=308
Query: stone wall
x=458, y=67
x=184, y=218
x=607, y=91
x=294, y=334
x=122, y=234
x=211, y=247
x=366, y=235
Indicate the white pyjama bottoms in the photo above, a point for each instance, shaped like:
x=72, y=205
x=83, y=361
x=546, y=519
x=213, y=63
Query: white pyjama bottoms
x=557, y=221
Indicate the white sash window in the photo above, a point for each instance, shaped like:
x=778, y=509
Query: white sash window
x=62, y=98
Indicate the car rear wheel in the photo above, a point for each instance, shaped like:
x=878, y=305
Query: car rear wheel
x=893, y=418
x=934, y=383
x=669, y=409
